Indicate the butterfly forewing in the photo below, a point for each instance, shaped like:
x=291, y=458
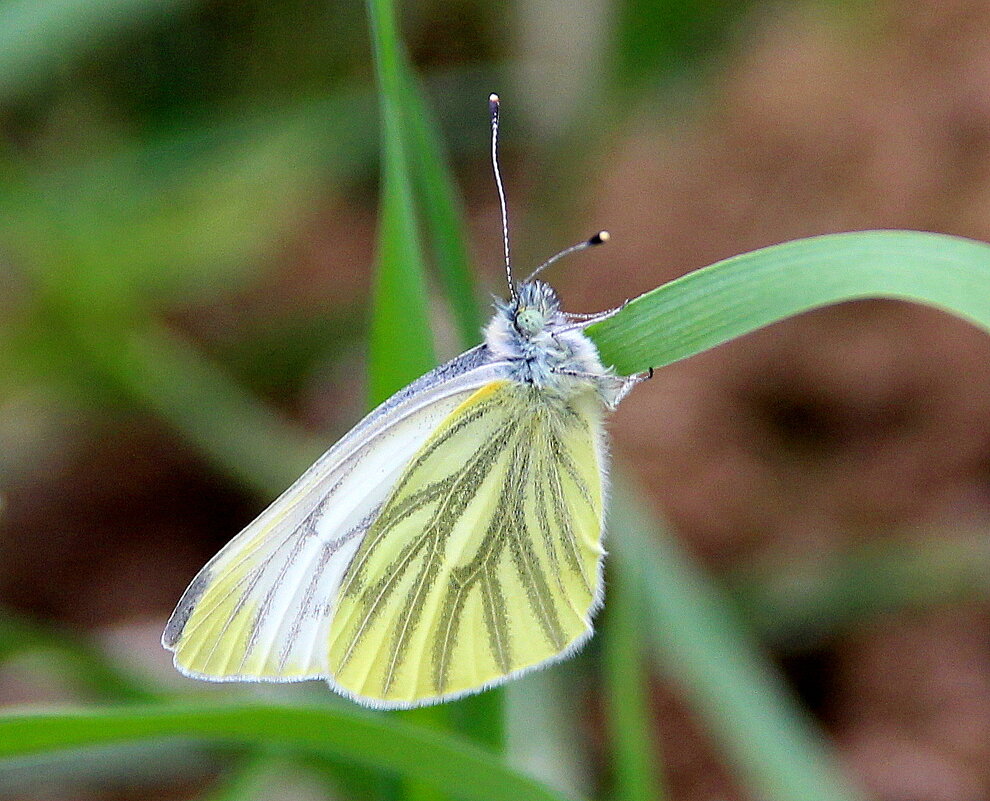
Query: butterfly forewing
x=485, y=559
x=261, y=608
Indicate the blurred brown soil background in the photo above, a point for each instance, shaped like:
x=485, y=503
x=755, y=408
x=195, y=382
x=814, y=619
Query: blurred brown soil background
x=841, y=427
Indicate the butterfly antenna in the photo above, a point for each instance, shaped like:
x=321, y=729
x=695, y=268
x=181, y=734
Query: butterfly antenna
x=493, y=110
x=598, y=239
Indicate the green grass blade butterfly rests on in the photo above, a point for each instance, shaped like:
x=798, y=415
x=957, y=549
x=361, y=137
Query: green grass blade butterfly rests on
x=733, y=297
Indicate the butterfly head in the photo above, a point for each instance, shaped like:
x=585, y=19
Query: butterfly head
x=523, y=325
x=536, y=306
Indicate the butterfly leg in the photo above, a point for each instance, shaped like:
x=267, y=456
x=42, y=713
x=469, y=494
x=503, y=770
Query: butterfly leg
x=620, y=386
x=612, y=388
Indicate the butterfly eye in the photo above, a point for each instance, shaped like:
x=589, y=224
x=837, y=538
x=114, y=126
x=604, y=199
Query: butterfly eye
x=529, y=321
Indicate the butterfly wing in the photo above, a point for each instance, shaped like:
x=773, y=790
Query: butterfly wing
x=485, y=561
x=261, y=608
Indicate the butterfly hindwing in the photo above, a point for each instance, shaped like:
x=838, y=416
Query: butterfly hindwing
x=485, y=559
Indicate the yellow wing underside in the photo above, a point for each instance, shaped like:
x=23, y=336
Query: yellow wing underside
x=485, y=560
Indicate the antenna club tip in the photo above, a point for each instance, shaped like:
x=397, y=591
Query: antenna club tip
x=600, y=238
x=493, y=99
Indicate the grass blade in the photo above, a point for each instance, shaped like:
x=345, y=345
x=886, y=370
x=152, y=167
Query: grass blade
x=459, y=768
x=629, y=726
x=733, y=297
x=401, y=343
x=442, y=211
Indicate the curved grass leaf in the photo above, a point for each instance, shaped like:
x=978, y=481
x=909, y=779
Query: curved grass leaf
x=733, y=297
x=455, y=767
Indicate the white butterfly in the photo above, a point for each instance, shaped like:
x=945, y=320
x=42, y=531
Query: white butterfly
x=451, y=541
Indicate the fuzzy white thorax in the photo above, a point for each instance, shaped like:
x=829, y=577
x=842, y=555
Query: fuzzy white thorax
x=545, y=348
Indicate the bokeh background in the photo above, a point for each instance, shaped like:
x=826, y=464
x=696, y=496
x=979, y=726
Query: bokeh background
x=189, y=186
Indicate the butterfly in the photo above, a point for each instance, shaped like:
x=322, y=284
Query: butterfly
x=450, y=542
